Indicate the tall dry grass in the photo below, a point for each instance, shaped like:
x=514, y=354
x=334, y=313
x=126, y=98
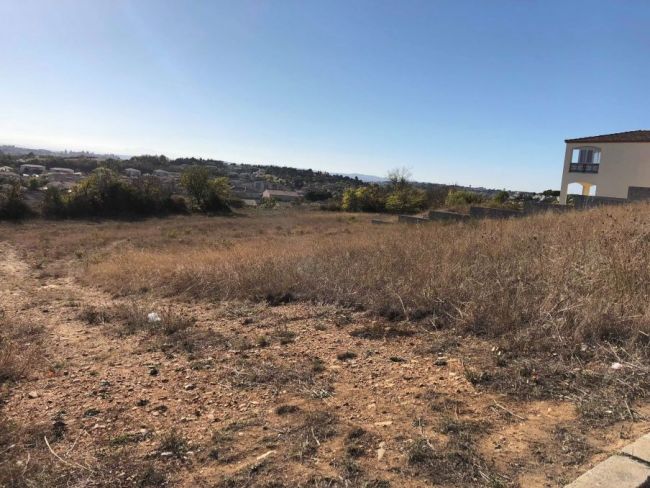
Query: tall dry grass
x=573, y=277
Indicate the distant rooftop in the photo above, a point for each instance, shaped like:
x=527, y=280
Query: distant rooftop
x=282, y=193
x=631, y=136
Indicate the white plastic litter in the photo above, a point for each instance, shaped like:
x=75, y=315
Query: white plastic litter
x=153, y=317
x=616, y=366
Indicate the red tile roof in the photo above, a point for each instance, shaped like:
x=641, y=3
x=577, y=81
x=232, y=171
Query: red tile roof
x=631, y=136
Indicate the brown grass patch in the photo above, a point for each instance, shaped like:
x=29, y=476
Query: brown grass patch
x=525, y=280
x=19, y=347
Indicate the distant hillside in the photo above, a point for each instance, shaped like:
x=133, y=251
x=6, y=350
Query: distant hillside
x=365, y=178
x=24, y=151
x=281, y=177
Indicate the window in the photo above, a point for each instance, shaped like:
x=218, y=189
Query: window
x=586, y=155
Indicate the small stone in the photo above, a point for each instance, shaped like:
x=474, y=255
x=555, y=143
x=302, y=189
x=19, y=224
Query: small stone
x=166, y=453
x=440, y=362
x=32, y=394
x=380, y=453
x=153, y=371
x=384, y=423
x=190, y=386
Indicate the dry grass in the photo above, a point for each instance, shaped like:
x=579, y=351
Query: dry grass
x=558, y=291
x=19, y=347
x=537, y=308
x=551, y=280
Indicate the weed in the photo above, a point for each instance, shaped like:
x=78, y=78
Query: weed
x=286, y=409
x=346, y=356
x=317, y=427
x=172, y=442
x=94, y=315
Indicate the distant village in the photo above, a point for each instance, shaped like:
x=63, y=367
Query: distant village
x=251, y=184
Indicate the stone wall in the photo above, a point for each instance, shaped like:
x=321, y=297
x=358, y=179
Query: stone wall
x=581, y=201
x=447, y=216
x=493, y=213
x=411, y=219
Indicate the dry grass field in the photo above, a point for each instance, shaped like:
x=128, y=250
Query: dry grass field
x=306, y=349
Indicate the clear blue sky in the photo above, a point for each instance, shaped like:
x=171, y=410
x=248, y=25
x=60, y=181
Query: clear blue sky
x=473, y=92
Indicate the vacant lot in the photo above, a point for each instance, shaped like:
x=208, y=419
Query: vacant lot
x=313, y=349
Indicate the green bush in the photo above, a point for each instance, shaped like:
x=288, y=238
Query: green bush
x=53, y=204
x=105, y=194
x=406, y=200
x=208, y=194
x=370, y=198
x=318, y=195
x=12, y=204
x=458, y=198
x=501, y=197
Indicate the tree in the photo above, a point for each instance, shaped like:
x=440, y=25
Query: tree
x=501, y=196
x=404, y=196
x=350, y=202
x=219, y=194
x=209, y=195
x=196, y=181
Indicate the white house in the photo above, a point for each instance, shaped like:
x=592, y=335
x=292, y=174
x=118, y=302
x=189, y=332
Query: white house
x=612, y=165
x=281, y=195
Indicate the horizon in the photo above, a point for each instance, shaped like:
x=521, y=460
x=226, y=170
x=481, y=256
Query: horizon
x=456, y=94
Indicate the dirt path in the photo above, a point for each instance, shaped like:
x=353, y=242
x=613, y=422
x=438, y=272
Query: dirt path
x=122, y=395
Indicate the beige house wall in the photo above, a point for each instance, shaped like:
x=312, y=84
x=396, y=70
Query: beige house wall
x=622, y=164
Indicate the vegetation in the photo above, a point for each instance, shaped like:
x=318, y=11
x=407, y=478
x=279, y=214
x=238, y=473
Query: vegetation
x=105, y=194
x=399, y=196
x=239, y=352
x=208, y=194
x=526, y=267
x=12, y=205
x=461, y=198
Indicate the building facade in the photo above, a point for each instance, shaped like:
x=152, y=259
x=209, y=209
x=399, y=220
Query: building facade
x=615, y=166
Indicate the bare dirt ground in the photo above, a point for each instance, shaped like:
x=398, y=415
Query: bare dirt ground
x=286, y=395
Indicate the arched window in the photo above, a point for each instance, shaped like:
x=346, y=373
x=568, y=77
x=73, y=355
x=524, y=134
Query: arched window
x=585, y=160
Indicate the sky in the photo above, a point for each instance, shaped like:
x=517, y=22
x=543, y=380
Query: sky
x=473, y=92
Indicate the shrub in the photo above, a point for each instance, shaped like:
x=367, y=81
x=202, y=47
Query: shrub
x=105, y=194
x=406, y=200
x=207, y=194
x=501, y=197
x=53, y=205
x=458, y=198
x=318, y=195
x=364, y=199
x=12, y=204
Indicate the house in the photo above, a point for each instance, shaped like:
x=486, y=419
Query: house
x=613, y=166
x=61, y=171
x=281, y=195
x=161, y=173
x=32, y=169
